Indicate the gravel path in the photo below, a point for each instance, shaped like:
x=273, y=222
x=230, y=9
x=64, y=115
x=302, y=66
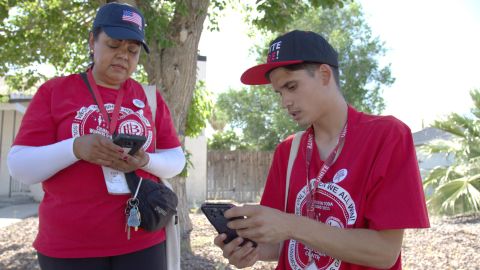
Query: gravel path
x=451, y=244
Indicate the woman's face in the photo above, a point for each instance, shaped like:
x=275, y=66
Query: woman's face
x=114, y=60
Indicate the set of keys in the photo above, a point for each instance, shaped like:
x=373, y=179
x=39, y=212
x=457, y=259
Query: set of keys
x=132, y=214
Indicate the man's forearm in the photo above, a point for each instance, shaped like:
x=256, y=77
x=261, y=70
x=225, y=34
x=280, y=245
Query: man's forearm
x=379, y=249
x=269, y=252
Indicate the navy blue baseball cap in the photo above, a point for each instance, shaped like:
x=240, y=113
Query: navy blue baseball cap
x=292, y=48
x=121, y=21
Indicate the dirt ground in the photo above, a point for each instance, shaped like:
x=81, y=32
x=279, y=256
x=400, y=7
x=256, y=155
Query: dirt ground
x=451, y=244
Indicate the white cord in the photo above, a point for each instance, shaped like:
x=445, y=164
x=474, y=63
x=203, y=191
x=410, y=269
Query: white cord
x=138, y=187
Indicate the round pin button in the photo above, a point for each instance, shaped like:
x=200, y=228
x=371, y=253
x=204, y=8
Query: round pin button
x=138, y=103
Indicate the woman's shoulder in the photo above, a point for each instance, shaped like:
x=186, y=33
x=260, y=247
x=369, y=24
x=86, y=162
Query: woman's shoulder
x=59, y=81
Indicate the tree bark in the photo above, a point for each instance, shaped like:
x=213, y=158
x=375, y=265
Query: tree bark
x=173, y=70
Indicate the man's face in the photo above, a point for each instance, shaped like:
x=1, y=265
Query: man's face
x=114, y=60
x=302, y=94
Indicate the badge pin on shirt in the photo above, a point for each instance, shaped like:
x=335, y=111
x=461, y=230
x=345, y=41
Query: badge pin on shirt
x=138, y=103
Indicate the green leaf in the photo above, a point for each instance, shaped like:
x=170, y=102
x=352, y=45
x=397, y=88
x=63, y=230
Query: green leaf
x=457, y=187
x=200, y=110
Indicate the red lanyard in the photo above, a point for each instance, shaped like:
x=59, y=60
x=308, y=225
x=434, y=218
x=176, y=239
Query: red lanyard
x=111, y=123
x=332, y=157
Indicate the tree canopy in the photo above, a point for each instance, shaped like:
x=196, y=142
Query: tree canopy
x=255, y=117
x=257, y=114
x=55, y=32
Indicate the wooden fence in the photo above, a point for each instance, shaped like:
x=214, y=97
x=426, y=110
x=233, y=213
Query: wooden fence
x=237, y=175
x=10, y=120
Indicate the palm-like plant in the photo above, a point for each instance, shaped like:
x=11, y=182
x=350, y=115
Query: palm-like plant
x=456, y=188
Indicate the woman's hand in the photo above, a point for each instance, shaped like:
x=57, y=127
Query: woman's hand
x=100, y=150
x=97, y=149
x=131, y=163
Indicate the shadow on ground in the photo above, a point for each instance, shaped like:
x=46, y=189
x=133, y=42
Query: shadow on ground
x=194, y=262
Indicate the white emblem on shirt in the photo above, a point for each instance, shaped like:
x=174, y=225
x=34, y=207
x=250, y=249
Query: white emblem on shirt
x=340, y=175
x=88, y=120
x=138, y=103
x=334, y=206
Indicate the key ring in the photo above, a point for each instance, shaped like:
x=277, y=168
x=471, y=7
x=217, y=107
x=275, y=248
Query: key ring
x=133, y=202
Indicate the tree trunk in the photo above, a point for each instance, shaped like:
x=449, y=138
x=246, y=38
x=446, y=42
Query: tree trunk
x=173, y=70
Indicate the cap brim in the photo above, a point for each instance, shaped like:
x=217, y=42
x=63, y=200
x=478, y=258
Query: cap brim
x=124, y=34
x=256, y=75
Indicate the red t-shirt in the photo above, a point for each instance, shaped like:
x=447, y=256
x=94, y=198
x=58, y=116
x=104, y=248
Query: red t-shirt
x=77, y=217
x=375, y=183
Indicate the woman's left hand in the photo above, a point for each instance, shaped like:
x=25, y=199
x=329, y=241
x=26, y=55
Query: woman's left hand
x=131, y=163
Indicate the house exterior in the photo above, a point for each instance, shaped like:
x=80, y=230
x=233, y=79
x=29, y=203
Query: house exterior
x=11, y=114
x=428, y=162
x=10, y=118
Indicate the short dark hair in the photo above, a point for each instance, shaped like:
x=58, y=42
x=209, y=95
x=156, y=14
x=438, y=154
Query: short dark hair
x=96, y=32
x=310, y=68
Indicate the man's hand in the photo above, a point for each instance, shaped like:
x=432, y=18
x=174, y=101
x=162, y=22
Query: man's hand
x=262, y=224
x=239, y=256
x=267, y=226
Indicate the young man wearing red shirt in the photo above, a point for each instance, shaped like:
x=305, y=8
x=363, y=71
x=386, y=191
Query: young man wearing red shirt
x=354, y=185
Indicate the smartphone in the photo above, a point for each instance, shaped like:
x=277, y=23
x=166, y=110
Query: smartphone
x=130, y=143
x=214, y=213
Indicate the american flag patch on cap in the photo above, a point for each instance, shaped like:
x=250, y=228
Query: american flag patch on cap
x=133, y=17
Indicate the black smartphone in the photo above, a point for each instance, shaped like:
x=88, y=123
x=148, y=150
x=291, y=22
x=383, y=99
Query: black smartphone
x=214, y=213
x=131, y=143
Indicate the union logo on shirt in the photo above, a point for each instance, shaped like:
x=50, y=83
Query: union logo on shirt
x=333, y=206
x=90, y=121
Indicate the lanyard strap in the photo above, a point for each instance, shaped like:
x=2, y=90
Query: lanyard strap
x=332, y=157
x=92, y=87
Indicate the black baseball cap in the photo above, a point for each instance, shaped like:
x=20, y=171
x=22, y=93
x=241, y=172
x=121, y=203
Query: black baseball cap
x=121, y=21
x=292, y=48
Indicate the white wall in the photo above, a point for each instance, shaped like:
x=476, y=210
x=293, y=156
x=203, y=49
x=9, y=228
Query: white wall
x=10, y=119
x=202, y=70
x=197, y=176
x=196, y=183
x=428, y=162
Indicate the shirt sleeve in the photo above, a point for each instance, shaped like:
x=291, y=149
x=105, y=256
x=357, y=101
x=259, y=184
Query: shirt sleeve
x=42, y=161
x=166, y=163
x=37, y=127
x=166, y=134
x=274, y=192
x=396, y=199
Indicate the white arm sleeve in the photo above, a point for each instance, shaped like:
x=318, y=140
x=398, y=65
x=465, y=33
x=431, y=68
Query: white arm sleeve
x=166, y=163
x=34, y=164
